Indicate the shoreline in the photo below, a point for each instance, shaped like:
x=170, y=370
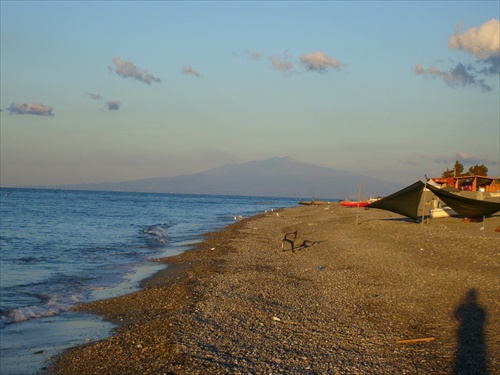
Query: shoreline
x=237, y=303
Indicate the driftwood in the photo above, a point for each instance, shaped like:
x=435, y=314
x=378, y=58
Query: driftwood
x=411, y=341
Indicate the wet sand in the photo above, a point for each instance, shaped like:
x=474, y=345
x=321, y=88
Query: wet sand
x=387, y=296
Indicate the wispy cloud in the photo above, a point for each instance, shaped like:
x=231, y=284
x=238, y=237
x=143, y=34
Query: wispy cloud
x=282, y=64
x=410, y=162
x=460, y=75
x=254, y=55
x=316, y=61
x=126, y=69
x=461, y=157
x=319, y=62
x=113, y=105
x=484, y=44
x=189, y=70
x=30, y=109
x=94, y=96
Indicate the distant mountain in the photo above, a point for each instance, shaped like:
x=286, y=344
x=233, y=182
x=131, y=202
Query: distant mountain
x=275, y=177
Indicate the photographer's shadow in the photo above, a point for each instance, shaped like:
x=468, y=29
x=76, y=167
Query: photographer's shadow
x=471, y=357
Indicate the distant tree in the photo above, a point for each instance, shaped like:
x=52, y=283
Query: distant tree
x=448, y=173
x=457, y=170
x=478, y=170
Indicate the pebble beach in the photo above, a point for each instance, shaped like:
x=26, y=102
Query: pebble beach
x=365, y=291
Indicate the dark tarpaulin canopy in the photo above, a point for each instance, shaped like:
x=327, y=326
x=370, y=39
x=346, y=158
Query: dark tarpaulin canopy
x=471, y=208
x=404, y=202
x=450, y=189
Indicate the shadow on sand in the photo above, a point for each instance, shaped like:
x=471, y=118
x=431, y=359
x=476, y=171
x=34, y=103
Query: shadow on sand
x=470, y=357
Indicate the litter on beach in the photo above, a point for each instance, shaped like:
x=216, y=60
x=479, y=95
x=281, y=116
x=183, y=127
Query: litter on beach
x=411, y=341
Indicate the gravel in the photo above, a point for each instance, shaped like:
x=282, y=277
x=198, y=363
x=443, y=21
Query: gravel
x=341, y=303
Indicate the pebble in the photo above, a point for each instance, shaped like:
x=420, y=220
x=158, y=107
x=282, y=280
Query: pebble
x=247, y=307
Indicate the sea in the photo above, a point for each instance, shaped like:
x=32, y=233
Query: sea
x=60, y=248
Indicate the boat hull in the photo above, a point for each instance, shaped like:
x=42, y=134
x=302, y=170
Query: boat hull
x=354, y=204
x=444, y=211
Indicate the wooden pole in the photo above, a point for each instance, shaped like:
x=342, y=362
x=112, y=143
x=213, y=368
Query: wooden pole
x=410, y=341
x=359, y=198
x=423, y=202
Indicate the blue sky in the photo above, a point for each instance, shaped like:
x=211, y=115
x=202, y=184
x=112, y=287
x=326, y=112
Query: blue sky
x=115, y=91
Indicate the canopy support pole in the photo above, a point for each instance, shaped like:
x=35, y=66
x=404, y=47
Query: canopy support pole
x=359, y=199
x=423, y=202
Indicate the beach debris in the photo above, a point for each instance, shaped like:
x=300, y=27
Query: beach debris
x=411, y=341
x=212, y=248
x=321, y=268
x=276, y=319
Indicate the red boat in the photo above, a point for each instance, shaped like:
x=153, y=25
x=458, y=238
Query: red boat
x=348, y=203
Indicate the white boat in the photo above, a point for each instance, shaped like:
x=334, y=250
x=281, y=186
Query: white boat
x=441, y=212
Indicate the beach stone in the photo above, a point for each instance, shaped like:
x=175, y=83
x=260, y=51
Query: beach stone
x=238, y=304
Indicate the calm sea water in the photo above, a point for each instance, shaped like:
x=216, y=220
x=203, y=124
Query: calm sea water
x=59, y=248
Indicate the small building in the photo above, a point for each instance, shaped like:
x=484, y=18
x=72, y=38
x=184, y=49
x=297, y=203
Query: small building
x=471, y=183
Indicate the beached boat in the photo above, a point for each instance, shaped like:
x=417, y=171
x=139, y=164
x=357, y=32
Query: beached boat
x=312, y=203
x=348, y=203
x=440, y=212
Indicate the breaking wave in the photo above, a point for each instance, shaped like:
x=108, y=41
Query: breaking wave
x=155, y=235
x=53, y=305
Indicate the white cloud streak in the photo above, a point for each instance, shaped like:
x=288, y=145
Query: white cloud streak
x=126, y=69
x=189, y=70
x=319, y=62
x=315, y=61
x=30, y=109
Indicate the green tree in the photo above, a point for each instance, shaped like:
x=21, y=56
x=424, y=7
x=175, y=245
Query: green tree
x=458, y=170
x=478, y=170
x=447, y=173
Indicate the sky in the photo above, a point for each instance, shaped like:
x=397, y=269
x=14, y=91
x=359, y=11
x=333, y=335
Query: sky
x=121, y=90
